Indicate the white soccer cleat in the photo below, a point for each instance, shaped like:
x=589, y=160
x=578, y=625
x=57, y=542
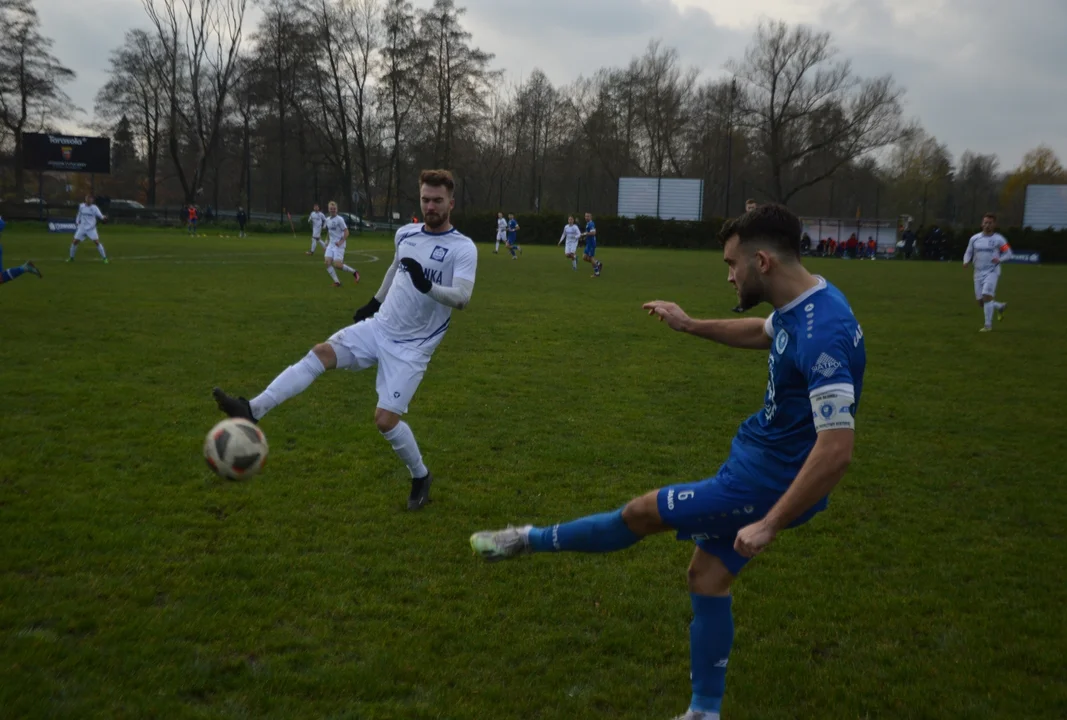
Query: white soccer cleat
x=697, y=715
x=494, y=545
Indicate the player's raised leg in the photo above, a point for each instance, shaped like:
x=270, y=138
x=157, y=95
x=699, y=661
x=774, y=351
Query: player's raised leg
x=292, y=381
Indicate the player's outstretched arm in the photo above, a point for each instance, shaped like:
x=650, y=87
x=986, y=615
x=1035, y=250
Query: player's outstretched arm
x=746, y=333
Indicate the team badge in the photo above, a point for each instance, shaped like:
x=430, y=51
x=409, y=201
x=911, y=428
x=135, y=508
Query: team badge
x=438, y=253
x=781, y=341
x=67, y=151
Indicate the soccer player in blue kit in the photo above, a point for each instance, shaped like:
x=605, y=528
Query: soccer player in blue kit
x=11, y=273
x=589, y=255
x=783, y=462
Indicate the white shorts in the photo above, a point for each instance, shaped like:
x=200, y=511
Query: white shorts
x=985, y=284
x=335, y=252
x=501, y=236
x=400, y=369
x=81, y=234
x=316, y=235
x=570, y=247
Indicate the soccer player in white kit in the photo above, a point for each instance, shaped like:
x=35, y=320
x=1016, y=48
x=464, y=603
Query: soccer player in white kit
x=317, y=220
x=571, y=234
x=398, y=330
x=987, y=250
x=501, y=231
x=337, y=230
x=85, y=227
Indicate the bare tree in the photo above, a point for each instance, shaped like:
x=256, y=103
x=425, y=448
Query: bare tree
x=977, y=183
x=330, y=116
x=403, y=69
x=202, y=39
x=459, y=74
x=30, y=77
x=134, y=90
x=363, y=37
x=807, y=112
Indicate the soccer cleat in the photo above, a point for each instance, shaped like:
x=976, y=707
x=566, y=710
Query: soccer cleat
x=106, y=261
x=337, y=284
x=494, y=545
x=1000, y=312
x=235, y=407
x=355, y=274
x=985, y=329
x=698, y=715
x=70, y=259
x=420, y=492
x=32, y=269
x=310, y=252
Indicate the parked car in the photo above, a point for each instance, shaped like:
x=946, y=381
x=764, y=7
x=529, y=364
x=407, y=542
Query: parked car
x=355, y=222
x=119, y=207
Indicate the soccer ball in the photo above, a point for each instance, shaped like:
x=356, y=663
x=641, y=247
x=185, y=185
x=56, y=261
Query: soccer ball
x=235, y=449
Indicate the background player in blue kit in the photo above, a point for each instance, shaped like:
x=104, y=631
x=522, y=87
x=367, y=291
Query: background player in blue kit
x=11, y=273
x=513, y=235
x=589, y=255
x=783, y=462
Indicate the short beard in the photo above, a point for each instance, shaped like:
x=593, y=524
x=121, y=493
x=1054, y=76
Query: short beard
x=442, y=222
x=750, y=297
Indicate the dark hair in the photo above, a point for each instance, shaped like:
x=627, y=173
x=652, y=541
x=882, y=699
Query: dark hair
x=437, y=178
x=773, y=225
x=750, y=200
x=991, y=216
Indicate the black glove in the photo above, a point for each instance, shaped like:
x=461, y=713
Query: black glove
x=418, y=278
x=367, y=311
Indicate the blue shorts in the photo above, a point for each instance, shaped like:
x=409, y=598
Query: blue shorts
x=590, y=248
x=712, y=511
x=511, y=238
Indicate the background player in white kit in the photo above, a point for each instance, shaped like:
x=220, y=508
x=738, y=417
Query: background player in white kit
x=337, y=231
x=432, y=272
x=317, y=220
x=85, y=227
x=987, y=250
x=571, y=234
x=501, y=231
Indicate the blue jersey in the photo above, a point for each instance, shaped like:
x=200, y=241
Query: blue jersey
x=817, y=351
x=590, y=227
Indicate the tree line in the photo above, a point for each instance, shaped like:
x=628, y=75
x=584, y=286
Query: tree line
x=346, y=99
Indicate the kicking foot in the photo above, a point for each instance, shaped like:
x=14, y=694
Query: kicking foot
x=106, y=261
x=420, y=492
x=1000, y=312
x=496, y=545
x=235, y=407
x=985, y=329
x=32, y=269
x=337, y=284
x=355, y=274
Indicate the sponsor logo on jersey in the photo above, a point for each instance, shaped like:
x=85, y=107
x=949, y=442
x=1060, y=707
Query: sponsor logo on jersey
x=826, y=366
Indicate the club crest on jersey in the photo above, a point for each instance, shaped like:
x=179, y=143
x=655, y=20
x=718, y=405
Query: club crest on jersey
x=438, y=253
x=781, y=341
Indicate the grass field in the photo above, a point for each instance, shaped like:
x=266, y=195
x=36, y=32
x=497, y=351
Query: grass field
x=133, y=584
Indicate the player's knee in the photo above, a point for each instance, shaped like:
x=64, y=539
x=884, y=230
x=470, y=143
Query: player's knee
x=707, y=575
x=326, y=355
x=385, y=420
x=641, y=515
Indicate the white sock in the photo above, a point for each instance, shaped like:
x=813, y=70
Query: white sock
x=73, y=249
x=313, y=244
x=497, y=246
x=294, y=380
x=321, y=242
x=404, y=445
x=574, y=264
x=348, y=270
x=333, y=273
x=988, y=308
x=100, y=249
x=999, y=305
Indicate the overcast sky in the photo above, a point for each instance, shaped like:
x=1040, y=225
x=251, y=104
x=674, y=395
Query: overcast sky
x=979, y=74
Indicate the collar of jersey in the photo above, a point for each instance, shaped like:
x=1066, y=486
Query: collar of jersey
x=424, y=231
x=804, y=295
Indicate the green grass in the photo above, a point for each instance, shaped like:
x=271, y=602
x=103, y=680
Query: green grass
x=133, y=584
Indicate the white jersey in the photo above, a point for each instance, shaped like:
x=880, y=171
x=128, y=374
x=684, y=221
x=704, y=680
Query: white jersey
x=501, y=224
x=336, y=227
x=87, y=217
x=317, y=220
x=983, y=249
x=409, y=317
x=571, y=233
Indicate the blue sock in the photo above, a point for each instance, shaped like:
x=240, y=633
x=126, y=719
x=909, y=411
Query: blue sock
x=11, y=273
x=710, y=636
x=512, y=251
x=602, y=533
